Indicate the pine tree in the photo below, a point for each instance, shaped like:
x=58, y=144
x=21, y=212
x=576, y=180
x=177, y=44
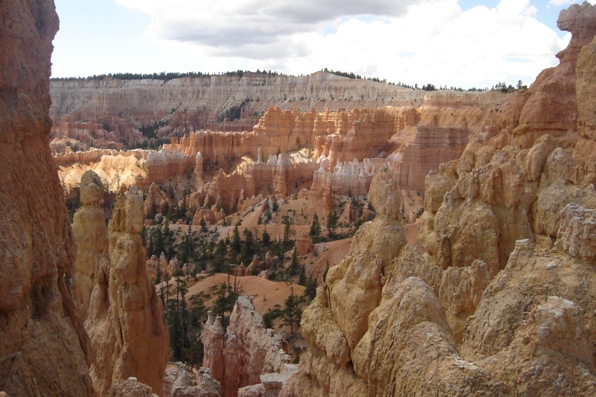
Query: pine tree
x=266, y=238
x=224, y=302
x=332, y=223
x=287, y=244
x=219, y=257
x=294, y=264
x=236, y=243
x=248, y=246
x=291, y=314
x=302, y=276
x=157, y=241
x=315, y=229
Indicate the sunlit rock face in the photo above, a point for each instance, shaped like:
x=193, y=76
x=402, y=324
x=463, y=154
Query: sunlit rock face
x=503, y=286
x=110, y=112
x=123, y=315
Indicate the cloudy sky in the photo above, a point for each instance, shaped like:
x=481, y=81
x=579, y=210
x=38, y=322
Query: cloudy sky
x=462, y=43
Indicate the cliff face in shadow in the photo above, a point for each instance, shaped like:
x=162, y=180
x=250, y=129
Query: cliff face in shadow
x=44, y=346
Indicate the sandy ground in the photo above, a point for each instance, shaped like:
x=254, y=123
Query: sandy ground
x=266, y=293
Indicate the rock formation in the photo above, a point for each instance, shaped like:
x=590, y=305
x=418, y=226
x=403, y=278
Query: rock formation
x=246, y=354
x=585, y=85
x=421, y=327
x=130, y=387
x=123, y=315
x=501, y=301
x=91, y=234
x=550, y=106
x=430, y=147
x=116, y=169
x=110, y=112
x=181, y=381
x=44, y=348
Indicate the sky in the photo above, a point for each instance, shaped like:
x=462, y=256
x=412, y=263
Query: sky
x=452, y=43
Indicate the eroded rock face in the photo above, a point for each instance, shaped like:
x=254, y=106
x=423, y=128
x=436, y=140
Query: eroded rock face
x=44, y=346
x=91, y=234
x=130, y=387
x=245, y=353
x=182, y=381
x=112, y=111
x=124, y=317
x=585, y=85
x=549, y=106
x=500, y=303
x=461, y=331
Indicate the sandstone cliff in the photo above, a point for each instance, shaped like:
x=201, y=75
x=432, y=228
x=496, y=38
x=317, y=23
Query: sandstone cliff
x=44, y=346
x=123, y=315
x=106, y=113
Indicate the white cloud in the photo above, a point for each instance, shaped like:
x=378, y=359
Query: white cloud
x=413, y=41
x=558, y=3
x=248, y=24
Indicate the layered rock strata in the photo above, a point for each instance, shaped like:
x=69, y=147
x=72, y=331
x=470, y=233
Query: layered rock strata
x=245, y=353
x=44, y=347
x=123, y=315
x=111, y=111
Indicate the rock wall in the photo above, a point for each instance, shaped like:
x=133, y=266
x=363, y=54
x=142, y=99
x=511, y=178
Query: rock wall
x=44, y=348
x=246, y=354
x=585, y=85
x=431, y=147
x=109, y=112
x=123, y=315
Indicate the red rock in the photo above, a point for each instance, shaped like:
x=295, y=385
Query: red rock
x=44, y=348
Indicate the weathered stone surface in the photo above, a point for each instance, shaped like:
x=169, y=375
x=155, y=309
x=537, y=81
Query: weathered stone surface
x=213, y=342
x=240, y=356
x=182, y=381
x=482, y=214
x=124, y=315
x=577, y=232
x=43, y=348
x=130, y=388
x=91, y=234
x=303, y=244
x=110, y=111
x=356, y=288
x=585, y=85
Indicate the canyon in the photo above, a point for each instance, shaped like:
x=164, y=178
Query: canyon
x=454, y=254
